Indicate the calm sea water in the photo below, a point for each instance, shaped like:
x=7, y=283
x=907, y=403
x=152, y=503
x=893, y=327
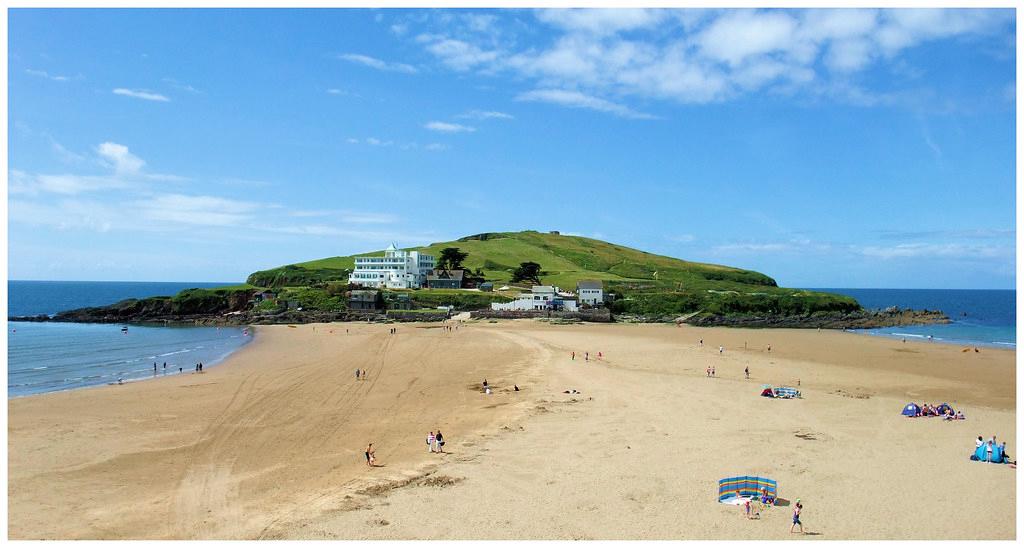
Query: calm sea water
x=980, y=316
x=47, y=357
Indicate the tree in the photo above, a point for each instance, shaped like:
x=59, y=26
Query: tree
x=527, y=272
x=451, y=259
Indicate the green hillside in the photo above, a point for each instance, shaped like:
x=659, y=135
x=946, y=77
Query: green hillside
x=646, y=283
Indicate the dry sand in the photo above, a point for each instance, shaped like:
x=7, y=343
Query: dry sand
x=269, y=444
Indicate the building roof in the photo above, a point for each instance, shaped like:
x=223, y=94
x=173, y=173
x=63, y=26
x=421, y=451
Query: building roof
x=589, y=284
x=542, y=289
x=446, y=275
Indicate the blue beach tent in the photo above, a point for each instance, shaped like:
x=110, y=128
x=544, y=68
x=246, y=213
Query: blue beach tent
x=944, y=408
x=911, y=410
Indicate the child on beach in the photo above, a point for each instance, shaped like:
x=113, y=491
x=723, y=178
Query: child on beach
x=796, y=517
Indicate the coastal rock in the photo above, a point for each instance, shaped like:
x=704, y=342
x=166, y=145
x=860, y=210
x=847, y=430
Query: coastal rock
x=863, y=319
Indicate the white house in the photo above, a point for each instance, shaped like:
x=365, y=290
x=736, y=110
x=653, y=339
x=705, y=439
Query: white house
x=540, y=297
x=590, y=292
x=397, y=269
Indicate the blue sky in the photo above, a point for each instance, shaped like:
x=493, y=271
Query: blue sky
x=826, y=148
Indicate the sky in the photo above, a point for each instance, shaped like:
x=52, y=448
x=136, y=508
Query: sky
x=825, y=148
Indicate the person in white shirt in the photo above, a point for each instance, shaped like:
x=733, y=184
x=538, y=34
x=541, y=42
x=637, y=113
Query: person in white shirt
x=430, y=442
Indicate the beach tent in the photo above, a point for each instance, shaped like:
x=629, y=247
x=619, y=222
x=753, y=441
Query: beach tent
x=944, y=409
x=911, y=410
x=786, y=392
x=780, y=392
x=997, y=454
x=979, y=453
x=734, y=490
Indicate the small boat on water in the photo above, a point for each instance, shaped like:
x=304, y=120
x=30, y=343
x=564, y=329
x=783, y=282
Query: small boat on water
x=124, y=330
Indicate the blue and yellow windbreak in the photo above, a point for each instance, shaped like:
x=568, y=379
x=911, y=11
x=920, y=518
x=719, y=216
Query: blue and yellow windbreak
x=746, y=486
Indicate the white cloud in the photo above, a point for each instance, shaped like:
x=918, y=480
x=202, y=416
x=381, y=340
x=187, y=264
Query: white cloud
x=141, y=94
x=64, y=154
x=938, y=251
x=737, y=35
x=486, y=115
x=44, y=74
x=457, y=54
x=182, y=86
x=576, y=99
x=378, y=64
x=602, y=21
x=701, y=56
x=445, y=127
x=357, y=217
x=196, y=210
x=120, y=158
x=352, y=141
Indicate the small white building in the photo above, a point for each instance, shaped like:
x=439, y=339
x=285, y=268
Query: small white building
x=540, y=297
x=590, y=292
x=397, y=269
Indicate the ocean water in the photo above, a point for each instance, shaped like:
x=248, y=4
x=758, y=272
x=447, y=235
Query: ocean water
x=48, y=357
x=985, y=317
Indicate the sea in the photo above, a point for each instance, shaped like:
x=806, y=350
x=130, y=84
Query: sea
x=50, y=357
x=980, y=317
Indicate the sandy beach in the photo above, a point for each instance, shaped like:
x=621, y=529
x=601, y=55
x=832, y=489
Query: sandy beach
x=270, y=443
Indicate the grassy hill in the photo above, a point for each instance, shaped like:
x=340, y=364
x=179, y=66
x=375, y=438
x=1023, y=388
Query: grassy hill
x=646, y=283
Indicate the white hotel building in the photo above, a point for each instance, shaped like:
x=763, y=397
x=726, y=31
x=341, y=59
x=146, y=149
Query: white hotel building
x=395, y=270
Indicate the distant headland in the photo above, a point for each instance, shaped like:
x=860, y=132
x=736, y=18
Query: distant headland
x=504, y=274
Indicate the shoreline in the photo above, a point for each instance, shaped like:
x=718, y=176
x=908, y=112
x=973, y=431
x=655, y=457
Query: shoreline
x=271, y=447
x=915, y=338
x=134, y=380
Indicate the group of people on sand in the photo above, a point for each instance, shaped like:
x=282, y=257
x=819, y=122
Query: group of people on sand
x=586, y=356
x=990, y=445
x=932, y=410
x=710, y=371
x=360, y=375
x=435, y=442
x=766, y=501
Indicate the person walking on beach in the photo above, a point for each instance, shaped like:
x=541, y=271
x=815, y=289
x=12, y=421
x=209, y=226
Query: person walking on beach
x=712, y=371
x=165, y=368
x=702, y=342
x=357, y=374
x=369, y=455
x=796, y=517
x=154, y=369
x=721, y=349
x=430, y=442
x=573, y=355
x=440, y=441
x=769, y=349
x=708, y=371
x=746, y=371
x=586, y=356
x=200, y=367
